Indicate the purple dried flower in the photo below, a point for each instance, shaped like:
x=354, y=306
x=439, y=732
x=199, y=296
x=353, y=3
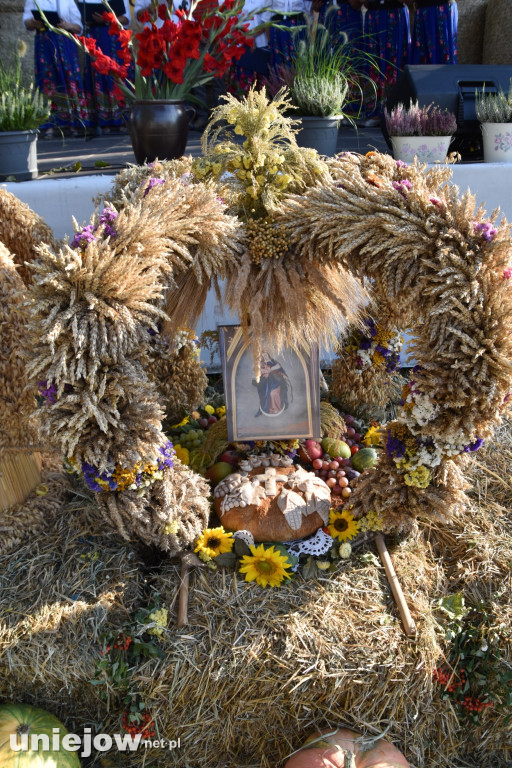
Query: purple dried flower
x=382, y=350
x=365, y=343
x=401, y=164
x=394, y=447
x=359, y=362
x=402, y=187
x=84, y=237
x=474, y=446
x=167, y=452
x=91, y=477
x=49, y=393
x=486, y=229
x=153, y=183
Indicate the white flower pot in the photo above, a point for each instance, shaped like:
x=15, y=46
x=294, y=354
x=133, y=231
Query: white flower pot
x=497, y=142
x=428, y=149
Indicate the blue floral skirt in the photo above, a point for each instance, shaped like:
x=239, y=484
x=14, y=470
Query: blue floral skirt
x=435, y=34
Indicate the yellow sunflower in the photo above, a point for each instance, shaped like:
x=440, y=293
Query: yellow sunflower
x=183, y=454
x=342, y=525
x=214, y=541
x=265, y=566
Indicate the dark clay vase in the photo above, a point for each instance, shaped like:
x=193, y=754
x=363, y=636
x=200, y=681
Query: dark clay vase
x=158, y=129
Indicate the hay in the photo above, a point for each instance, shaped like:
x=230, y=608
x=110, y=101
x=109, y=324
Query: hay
x=257, y=671
x=21, y=231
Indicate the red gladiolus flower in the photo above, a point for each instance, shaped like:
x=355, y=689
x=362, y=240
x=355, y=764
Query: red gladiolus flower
x=162, y=12
x=168, y=30
x=144, y=17
x=209, y=63
x=174, y=70
x=110, y=17
x=118, y=95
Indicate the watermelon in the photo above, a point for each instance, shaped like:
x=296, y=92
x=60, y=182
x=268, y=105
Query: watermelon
x=365, y=458
x=336, y=448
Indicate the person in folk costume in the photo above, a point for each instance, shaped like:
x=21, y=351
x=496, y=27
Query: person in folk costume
x=253, y=66
x=343, y=19
x=434, y=32
x=57, y=66
x=272, y=387
x=283, y=42
x=387, y=40
x=100, y=88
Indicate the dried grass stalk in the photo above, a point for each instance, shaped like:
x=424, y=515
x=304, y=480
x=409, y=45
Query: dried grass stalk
x=22, y=231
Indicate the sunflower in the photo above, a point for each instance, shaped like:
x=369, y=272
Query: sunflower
x=214, y=541
x=342, y=525
x=265, y=566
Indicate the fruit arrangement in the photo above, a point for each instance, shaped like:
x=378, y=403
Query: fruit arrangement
x=339, y=461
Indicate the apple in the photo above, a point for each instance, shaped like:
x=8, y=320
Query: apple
x=229, y=457
x=309, y=450
x=203, y=423
x=218, y=471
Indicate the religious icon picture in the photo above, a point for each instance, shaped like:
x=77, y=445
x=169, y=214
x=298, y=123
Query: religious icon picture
x=284, y=404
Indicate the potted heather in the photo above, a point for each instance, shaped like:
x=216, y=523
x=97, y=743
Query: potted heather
x=322, y=80
x=421, y=132
x=22, y=110
x=494, y=111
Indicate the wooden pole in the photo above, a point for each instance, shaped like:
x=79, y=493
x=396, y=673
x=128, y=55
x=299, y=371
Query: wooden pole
x=405, y=615
x=183, y=596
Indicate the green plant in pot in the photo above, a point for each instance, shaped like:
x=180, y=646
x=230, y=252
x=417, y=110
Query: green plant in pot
x=494, y=111
x=418, y=132
x=325, y=85
x=22, y=110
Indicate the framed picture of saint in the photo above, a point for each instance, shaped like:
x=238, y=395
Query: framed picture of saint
x=284, y=404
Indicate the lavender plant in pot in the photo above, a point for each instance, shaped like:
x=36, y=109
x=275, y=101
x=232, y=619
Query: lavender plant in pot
x=494, y=111
x=421, y=132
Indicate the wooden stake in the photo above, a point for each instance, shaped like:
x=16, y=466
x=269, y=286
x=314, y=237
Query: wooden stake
x=188, y=560
x=405, y=615
x=183, y=598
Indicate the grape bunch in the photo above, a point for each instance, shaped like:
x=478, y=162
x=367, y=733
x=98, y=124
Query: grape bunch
x=191, y=439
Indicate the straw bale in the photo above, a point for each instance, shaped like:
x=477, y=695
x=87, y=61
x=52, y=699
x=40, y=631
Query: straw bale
x=16, y=403
x=256, y=671
x=58, y=591
x=470, y=31
x=21, y=231
x=498, y=33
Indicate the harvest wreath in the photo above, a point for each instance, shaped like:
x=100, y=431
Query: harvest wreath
x=302, y=244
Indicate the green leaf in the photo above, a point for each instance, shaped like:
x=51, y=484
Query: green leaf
x=310, y=571
x=226, y=559
x=101, y=164
x=453, y=605
x=241, y=548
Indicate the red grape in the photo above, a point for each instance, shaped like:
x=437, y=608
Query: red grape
x=334, y=464
x=331, y=482
x=317, y=464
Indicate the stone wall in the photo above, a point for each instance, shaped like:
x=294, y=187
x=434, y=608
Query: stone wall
x=11, y=31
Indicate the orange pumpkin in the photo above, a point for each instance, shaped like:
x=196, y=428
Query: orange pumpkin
x=329, y=752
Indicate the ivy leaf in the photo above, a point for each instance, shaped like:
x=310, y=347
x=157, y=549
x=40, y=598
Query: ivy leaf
x=310, y=571
x=241, y=547
x=453, y=605
x=226, y=559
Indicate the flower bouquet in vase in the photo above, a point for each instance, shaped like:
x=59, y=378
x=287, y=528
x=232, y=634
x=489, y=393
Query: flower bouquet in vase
x=163, y=64
x=421, y=132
